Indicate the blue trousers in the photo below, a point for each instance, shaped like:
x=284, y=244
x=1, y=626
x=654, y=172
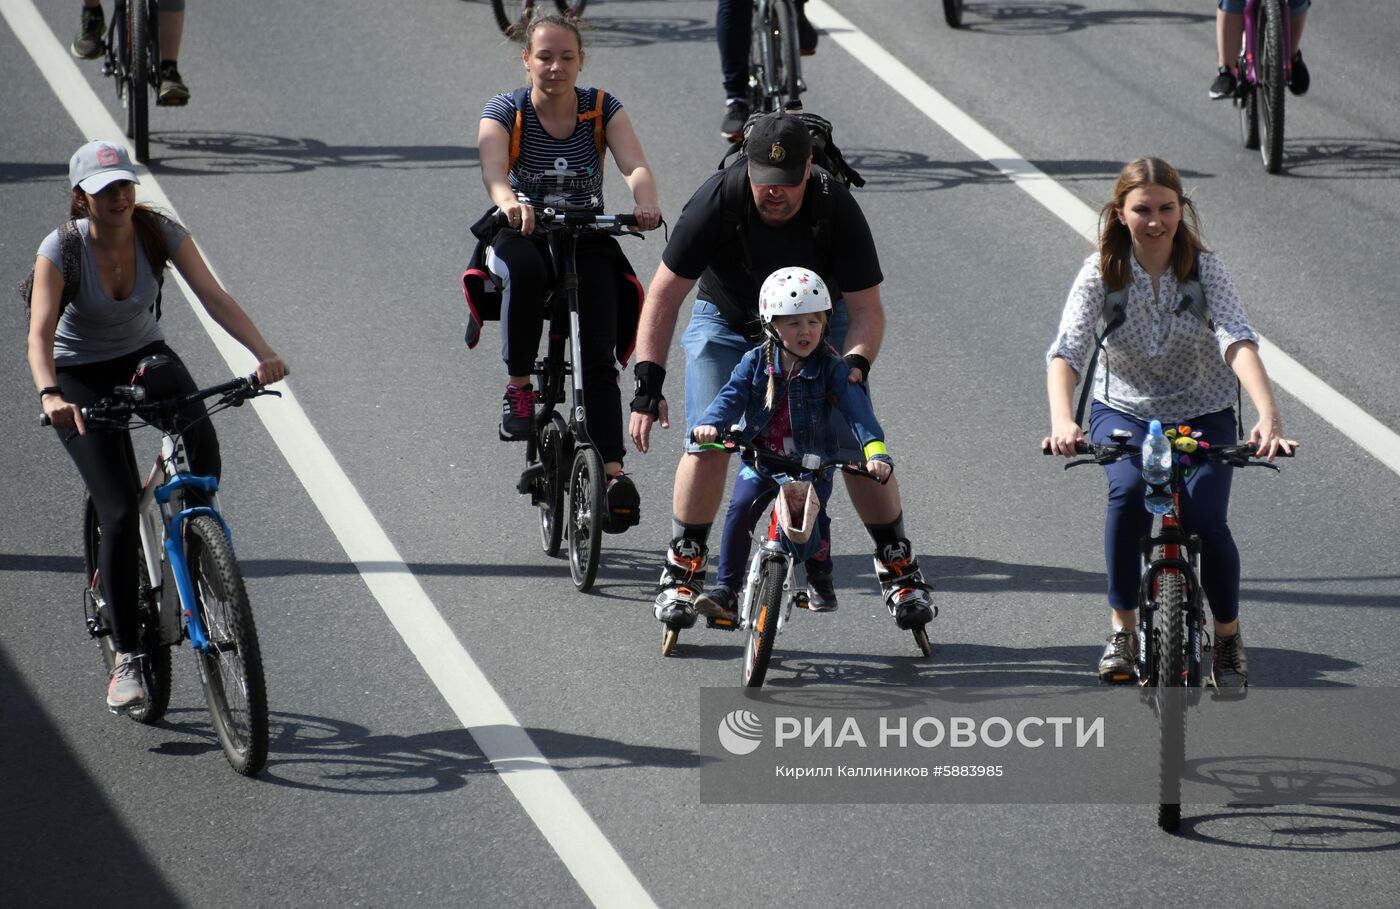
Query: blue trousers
x=750, y=500
x=1205, y=505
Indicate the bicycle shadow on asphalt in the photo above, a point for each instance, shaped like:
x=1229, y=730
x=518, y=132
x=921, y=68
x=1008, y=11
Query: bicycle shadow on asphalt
x=329, y=755
x=1341, y=158
x=48, y=805
x=1324, y=828
x=1031, y=18
x=225, y=153
x=898, y=170
x=637, y=31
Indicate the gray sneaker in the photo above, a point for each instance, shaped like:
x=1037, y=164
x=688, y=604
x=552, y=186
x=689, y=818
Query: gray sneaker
x=126, y=688
x=1119, y=661
x=1228, y=664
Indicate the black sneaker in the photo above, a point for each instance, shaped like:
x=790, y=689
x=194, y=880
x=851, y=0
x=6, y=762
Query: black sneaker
x=821, y=592
x=518, y=413
x=1299, y=79
x=1229, y=668
x=720, y=603
x=88, y=43
x=682, y=581
x=1119, y=661
x=736, y=114
x=1224, y=84
x=172, y=92
x=624, y=504
x=806, y=33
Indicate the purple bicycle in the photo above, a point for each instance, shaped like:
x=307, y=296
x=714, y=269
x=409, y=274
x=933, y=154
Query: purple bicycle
x=1264, y=65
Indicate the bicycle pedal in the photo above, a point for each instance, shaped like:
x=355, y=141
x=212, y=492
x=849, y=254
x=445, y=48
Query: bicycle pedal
x=723, y=622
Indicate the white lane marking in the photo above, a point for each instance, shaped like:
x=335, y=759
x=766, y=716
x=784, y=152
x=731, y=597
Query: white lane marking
x=1319, y=397
x=571, y=832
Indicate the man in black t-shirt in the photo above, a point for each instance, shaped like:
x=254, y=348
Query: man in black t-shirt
x=741, y=225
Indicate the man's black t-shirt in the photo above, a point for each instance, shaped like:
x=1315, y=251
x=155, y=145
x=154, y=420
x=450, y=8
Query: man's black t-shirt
x=703, y=246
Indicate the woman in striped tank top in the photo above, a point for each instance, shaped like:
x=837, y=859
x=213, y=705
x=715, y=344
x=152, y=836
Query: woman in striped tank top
x=559, y=161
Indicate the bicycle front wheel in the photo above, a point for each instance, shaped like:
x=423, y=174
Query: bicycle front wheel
x=230, y=668
x=156, y=668
x=1169, y=642
x=1272, y=53
x=138, y=68
x=763, y=626
x=586, y=507
x=952, y=13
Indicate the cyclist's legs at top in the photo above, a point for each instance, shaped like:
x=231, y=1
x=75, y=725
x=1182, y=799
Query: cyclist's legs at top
x=1205, y=503
x=734, y=33
x=1229, y=27
x=601, y=287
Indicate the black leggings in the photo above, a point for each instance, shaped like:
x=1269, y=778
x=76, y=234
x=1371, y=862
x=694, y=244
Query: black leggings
x=108, y=466
x=523, y=266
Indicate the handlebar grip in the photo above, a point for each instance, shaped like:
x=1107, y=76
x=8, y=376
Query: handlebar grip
x=1079, y=448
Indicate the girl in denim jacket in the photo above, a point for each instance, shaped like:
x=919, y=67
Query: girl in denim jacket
x=785, y=389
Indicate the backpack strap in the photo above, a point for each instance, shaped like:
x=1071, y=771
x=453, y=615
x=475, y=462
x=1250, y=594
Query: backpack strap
x=600, y=141
x=1193, y=301
x=70, y=245
x=735, y=194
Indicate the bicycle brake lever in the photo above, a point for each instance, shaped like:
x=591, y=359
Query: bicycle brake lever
x=1081, y=461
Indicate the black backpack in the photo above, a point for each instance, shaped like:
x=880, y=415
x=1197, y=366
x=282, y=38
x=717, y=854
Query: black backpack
x=828, y=166
x=825, y=154
x=71, y=250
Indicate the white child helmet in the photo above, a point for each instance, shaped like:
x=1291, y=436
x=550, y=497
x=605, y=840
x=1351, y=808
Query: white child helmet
x=790, y=291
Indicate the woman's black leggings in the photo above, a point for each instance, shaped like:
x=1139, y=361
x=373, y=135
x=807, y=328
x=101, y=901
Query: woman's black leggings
x=108, y=466
x=522, y=265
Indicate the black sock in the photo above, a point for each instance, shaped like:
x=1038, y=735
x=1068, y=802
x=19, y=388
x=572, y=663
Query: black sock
x=689, y=540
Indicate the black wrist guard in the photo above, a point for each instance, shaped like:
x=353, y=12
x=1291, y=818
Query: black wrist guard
x=650, y=377
x=856, y=361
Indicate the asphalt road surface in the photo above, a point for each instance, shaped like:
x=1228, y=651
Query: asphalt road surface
x=453, y=724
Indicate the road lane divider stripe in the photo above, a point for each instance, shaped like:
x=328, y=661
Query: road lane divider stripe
x=1379, y=440
x=588, y=855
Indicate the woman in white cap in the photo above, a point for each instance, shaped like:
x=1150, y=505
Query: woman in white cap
x=93, y=317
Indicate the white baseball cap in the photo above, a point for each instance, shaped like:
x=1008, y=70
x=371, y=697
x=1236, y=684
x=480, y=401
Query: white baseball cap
x=99, y=164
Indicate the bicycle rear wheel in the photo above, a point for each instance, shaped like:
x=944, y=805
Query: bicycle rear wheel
x=1270, y=32
x=230, y=669
x=138, y=68
x=586, y=507
x=763, y=625
x=156, y=668
x=952, y=13
x=1169, y=642
x=552, y=483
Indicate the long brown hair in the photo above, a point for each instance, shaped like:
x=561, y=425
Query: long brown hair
x=1116, y=244
x=146, y=220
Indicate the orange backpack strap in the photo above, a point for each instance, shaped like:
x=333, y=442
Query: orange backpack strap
x=600, y=142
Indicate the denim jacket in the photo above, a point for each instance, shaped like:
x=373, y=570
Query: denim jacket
x=808, y=403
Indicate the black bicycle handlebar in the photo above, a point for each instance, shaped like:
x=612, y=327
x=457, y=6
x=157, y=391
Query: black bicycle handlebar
x=1240, y=455
x=129, y=400
x=551, y=217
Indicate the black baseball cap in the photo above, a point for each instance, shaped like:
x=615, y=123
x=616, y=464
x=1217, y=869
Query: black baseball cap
x=778, y=147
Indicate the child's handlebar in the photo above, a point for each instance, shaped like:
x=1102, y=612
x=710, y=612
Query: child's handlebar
x=769, y=463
